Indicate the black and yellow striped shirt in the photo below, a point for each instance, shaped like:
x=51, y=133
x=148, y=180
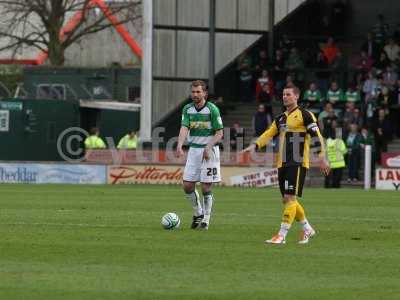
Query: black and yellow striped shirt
x=295, y=130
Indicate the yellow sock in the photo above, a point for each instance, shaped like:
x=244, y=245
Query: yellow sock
x=300, y=214
x=289, y=213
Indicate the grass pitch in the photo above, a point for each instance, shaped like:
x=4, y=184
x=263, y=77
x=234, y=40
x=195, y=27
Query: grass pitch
x=106, y=242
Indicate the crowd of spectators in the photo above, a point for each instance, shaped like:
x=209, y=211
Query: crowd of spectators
x=356, y=93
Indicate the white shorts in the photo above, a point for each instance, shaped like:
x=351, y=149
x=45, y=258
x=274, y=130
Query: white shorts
x=199, y=170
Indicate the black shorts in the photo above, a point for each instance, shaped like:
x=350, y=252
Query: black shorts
x=291, y=180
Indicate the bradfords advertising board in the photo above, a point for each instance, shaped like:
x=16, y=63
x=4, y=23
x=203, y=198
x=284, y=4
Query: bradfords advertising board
x=52, y=173
x=161, y=174
x=388, y=179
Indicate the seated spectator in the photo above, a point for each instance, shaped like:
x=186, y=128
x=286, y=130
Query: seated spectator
x=236, y=137
x=354, y=152
x=351, y=115
x=261, y=120
x=352, y=94
x=383, y=133
x=261, y=62
x=385, y=99
x=363, y=63
x=312, y=98
x=294, y=64
x=330, y=50
x=371, y=47
x=382, y=62
x=392, y=50
x=339, y=68
x=264, y=85
x=390, y=77
x=93, y=141
x=129, y=141
x=286, y=45
x=370, y=86
x=335, y=96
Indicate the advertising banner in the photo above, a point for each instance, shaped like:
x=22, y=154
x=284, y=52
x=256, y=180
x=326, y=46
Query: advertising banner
x=52, y=173
x=388, y=179
x=391, y=159
x=161, y=174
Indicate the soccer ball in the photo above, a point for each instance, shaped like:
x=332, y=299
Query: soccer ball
x=170, y=221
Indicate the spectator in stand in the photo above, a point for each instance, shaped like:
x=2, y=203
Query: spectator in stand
x=330, y=124
x=268, y=90
x=236, y=137
x=385, y=99
x=262, y=62
x=312, y=98
x=367, y=138
x=339, y=68
x=327, y=108
x=128, y=141
x=261, y=120
x=354, y=152
x=294, y=64
x=335, y=96
x=352, y=94
x=244, y=67
x=382, y=62
x=94, y=141
x=330, y=50
x=371, y=47
x=380, y=30
x=392, y=50
x=383, y=133
x=370, y=86
x=363, y=63
x=390, y=77
x=279, y=72
x=322, y=73
x=286, y=45
x=351, y=116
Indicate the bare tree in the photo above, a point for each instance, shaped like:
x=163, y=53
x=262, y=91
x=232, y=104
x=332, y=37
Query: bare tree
x=44, y=24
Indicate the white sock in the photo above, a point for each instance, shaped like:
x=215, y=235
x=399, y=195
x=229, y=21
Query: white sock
x=284, y=229
x=305, y=225
x=194, y=199
x=208, y=203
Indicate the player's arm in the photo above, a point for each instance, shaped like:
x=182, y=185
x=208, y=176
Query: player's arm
x=216, y=124
x=310, y=122
x=183, y=133
x=263, y=139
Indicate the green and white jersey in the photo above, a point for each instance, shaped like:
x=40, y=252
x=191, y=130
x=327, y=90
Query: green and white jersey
x=202, y=123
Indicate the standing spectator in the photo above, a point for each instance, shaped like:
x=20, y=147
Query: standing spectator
x=385, y=99
x=339, y=68
x=339, y=16
x=330, y=124
x=279, y=73
x=383, y=133
x=286, y=45
x=335, y=150
x=390, y=77
x=312, y=98
x=327, y=108
x=260, y=121
x=380, y=30
x=262, y=62
x=322, y=73
x=392, y=50
x=245, y=77
x=367, y=138
x=330, y=50
x=351, y=116
x=370, y=86
x=294, y=64
x=371, y=47
x=354, y=153
x=264, y=85
x=236, y=137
